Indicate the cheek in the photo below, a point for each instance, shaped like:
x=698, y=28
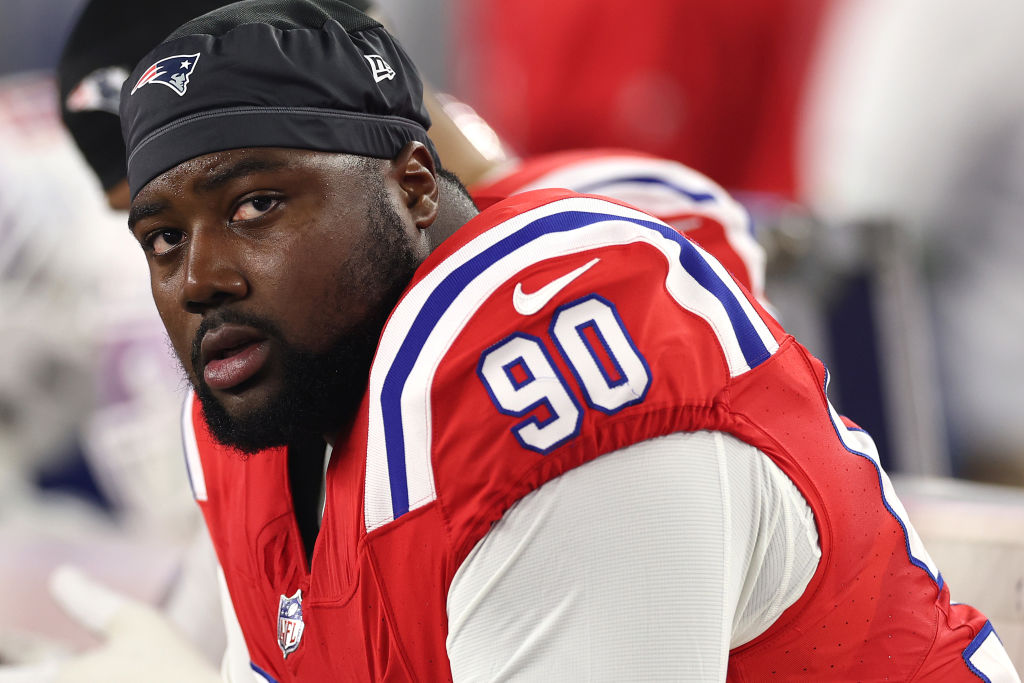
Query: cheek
x=180, y=326
x=319, y=300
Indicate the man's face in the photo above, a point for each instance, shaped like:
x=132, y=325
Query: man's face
x=273, y=271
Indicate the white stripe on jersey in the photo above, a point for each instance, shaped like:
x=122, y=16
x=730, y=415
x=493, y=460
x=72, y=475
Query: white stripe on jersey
x=415, y=392
x=192, y=460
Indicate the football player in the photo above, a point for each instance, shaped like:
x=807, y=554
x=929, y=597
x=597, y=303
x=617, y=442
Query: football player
x=566, y=442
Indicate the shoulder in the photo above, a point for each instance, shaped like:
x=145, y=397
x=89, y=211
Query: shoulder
x=529, y=256
x=545, y=324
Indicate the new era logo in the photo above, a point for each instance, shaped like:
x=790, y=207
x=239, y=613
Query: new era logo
x=380, y=68
x=170, y=71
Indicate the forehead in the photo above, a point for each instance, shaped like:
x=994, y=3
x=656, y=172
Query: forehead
x=197, y=172
x=211, y=172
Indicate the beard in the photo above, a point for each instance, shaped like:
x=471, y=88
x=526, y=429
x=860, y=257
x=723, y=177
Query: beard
x=320, y=390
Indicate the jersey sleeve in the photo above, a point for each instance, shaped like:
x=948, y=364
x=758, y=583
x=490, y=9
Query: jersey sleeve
x=564, y=332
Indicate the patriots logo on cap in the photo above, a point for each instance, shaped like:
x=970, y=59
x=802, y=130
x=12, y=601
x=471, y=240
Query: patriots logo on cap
x=99, y=91
x=380, y=68
x=170, y=71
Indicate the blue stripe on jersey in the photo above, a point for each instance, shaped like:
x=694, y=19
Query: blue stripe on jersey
x=750, y=220
x=982, y=636
x=261, y=672
x=937, y=578
x=438, y=301
x=593, y=188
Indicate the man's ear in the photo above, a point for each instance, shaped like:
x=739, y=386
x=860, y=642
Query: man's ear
x=413, y=169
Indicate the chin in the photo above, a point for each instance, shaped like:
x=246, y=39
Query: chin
x=252, y=421
x=246, y=422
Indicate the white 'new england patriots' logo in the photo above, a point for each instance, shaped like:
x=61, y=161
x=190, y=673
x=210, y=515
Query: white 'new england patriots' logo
x=170, y=71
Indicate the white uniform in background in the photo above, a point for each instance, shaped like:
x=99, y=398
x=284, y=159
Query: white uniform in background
x=87, y=366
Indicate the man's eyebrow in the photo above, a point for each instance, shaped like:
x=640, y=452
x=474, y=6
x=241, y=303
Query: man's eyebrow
x=237, y=170
x=208, y=184
x=140, y=211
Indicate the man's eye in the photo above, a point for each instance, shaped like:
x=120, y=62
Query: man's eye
x=254, y=208
x=162, y=241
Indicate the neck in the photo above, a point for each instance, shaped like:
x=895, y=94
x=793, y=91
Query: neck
x=455, y=210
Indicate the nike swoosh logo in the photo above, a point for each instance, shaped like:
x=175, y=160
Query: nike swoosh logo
x=528, y=304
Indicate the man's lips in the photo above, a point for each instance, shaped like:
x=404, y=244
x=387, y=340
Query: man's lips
x=231, y=354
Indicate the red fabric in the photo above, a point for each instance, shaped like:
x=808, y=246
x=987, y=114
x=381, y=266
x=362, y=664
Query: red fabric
x=375, y=603
x=715, y=85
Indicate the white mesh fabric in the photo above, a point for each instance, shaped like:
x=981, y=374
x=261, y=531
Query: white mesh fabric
x=646, y=564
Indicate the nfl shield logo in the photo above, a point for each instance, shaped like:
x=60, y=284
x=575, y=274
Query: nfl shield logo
x=289, y=623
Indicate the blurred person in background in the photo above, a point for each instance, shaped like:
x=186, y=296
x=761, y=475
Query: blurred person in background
x=916, y=118
x=715, y=85
x=87, y=447
x=94, y=375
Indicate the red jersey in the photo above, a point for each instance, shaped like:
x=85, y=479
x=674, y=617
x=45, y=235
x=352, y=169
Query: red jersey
x=551, y=329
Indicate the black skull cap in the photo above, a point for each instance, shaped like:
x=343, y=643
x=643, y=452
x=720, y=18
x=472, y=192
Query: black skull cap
x=108, y=38
x=306, y=74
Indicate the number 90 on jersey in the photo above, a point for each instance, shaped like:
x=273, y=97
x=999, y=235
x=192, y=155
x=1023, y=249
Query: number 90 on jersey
x=523, y=381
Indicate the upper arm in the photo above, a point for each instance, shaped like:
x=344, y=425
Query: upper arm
x=641, y=564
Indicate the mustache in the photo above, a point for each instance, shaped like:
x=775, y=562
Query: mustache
x=224, y=317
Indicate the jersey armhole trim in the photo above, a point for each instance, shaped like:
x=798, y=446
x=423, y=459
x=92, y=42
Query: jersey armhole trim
x=986, y=658
x=193, y=460
x=262, y=674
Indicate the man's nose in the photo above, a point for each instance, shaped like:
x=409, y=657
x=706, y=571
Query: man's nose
x=213, y=271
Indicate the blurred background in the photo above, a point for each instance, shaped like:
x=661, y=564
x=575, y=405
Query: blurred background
x=878, y=145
